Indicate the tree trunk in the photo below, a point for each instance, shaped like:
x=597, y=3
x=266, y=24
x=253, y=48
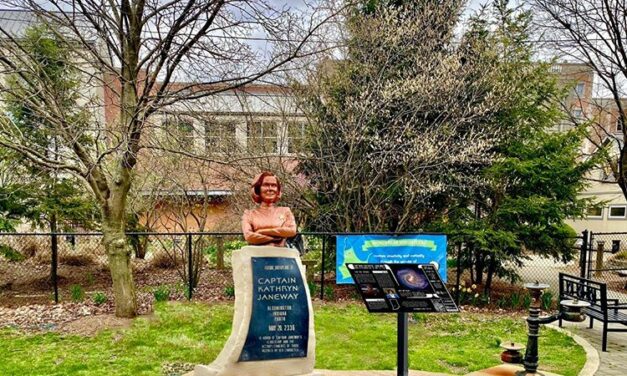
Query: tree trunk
x=119, y=254
x=491, y=270
x=479, y=266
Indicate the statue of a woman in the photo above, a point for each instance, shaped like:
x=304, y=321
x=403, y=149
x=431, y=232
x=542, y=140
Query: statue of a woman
x=268, y=224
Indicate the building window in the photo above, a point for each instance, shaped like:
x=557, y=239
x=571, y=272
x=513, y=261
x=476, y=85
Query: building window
x=619, y=124
x=296, y=136
x=595, y=212
x=181, y=130
x=262, y=136
x=617, y=211
x=556, y=68
x=579, y=88
x=577, y=113
x=220, y=136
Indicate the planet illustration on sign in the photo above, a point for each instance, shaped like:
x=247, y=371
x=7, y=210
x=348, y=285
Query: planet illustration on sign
x=412, y=279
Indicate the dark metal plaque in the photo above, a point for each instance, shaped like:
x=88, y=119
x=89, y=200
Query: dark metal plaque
x=279, y=324
x=401, y=288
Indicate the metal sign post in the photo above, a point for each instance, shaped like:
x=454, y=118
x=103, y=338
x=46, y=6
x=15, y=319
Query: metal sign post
x=402, y=356
x=401, y=289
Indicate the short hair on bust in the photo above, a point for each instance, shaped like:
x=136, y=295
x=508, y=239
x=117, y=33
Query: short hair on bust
x=256, y=186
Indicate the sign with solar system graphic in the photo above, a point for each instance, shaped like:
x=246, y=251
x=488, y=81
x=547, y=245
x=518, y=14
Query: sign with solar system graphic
x=401, y=288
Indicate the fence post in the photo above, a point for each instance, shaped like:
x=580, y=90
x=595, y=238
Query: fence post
x=459, y=272
x=583, y=255
x=599, y=261
x=190, y=278
x=324, y=248
x=54, y=265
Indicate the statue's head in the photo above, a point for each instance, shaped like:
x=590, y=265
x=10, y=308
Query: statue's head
x=266, y=187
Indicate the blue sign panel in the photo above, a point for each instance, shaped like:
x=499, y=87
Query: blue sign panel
x=385, y=249
x=279, y=324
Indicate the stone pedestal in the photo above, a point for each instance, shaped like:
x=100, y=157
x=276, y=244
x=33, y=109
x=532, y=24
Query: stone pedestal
x=273, y=326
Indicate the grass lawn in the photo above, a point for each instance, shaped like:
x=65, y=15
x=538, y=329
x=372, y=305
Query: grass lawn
x=347, y=338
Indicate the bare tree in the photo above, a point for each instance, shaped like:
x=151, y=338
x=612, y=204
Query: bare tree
x=594, y=33
x=143, y=56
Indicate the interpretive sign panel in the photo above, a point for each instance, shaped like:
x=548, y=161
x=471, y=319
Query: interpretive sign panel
x=279, y=325
x=401, y=288
x=389, y=249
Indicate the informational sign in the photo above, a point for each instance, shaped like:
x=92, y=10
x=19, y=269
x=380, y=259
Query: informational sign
x=402, y=288
x=385, y=249
x=279, y=325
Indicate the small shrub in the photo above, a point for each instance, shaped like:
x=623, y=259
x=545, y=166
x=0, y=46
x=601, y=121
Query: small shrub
x=99, y=298
x=77, y=294
x=10, y=253
x=76, y=259
x=229, y=291
x=162, y=294
x=526, y=301
x=29, y=250
x=90, y=278
x=163, y=260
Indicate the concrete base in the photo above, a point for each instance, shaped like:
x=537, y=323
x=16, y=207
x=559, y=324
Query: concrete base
x=208, y=371
x=227, y=363
x=509, y=370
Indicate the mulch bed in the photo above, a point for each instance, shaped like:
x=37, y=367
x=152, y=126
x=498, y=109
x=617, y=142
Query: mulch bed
x=28, y=306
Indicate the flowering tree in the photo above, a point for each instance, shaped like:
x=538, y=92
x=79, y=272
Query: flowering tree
x=405, y=123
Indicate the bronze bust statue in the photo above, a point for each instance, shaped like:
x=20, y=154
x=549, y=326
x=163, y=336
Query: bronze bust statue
x=267, y=224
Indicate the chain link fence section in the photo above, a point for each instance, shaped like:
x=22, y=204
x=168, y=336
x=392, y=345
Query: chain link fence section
x=40, y=268
x=29, y=273
x=607, y=262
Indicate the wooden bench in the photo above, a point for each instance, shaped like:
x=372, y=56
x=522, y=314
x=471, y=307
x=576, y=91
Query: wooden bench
x=608, y=311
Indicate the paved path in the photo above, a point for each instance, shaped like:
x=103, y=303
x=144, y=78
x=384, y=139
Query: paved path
x=377, y=373
x=614, y=361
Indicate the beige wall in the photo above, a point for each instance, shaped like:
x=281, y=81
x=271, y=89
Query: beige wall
x=171, y=218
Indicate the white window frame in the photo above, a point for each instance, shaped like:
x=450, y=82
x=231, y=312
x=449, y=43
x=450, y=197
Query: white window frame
x=600, y=216
x=580, y=88
x=556, y=68
x=609, y=212
x=250, y=146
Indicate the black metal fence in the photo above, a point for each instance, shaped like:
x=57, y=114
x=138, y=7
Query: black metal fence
x=606, y=261
x=39, y=268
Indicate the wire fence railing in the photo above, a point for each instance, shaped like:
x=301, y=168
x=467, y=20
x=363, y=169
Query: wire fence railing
x=45, y=267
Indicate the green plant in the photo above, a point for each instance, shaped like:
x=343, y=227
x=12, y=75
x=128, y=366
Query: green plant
x=329, y=292
x=419, y=317
x=77, y=294
x=313, y=288
x=547, y=301
x=90, y=279
x=502, y=303
x=99, y=298
x=526, y=301
x=515, y=300
x=161, y=293
x=229, y=291
x=10, y=253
